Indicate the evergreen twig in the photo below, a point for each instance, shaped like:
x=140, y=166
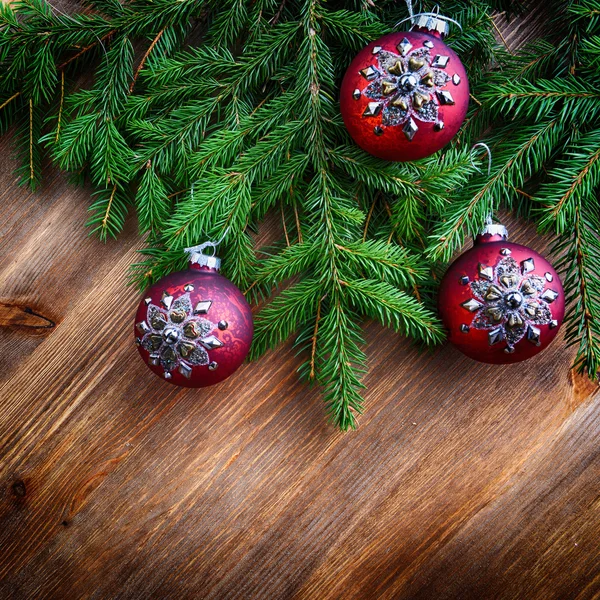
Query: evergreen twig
x=211, y=135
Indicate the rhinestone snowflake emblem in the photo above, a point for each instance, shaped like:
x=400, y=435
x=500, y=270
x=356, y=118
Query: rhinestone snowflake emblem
x=176, y=336
x=510, y=303
x=407, y=87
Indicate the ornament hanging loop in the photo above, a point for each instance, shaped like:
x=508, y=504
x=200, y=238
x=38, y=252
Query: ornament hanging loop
x=490, y=230
x=411, y=14
x=489, y=155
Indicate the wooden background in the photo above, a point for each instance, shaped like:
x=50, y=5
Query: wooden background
x=463, y=480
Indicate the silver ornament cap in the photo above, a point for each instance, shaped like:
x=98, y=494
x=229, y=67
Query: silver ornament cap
x=432, y=22
x=495, y=229
x=205, y=260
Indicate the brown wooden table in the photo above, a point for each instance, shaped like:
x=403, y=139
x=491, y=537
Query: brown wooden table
x=463, y=480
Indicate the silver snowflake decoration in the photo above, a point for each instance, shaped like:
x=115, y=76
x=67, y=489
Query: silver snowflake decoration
x=176, y=336
x=407, y=87
x=510, y=303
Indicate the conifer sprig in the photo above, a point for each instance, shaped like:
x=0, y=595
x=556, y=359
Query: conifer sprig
x=205, y=117
x=544, y=102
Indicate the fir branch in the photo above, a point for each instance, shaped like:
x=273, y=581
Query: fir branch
x=536, y=100
x=144, y=59
x=152, y=202
x=9, y=100
x=396, y=309
x=209, y=137
x=109, y=211
x=284, y=315
x=520, y=158
x=552, y=85
x=62, y=102
x=340, y=364
x=390, y=263
x=578, y=174
x=83, y=51
x=580, y=250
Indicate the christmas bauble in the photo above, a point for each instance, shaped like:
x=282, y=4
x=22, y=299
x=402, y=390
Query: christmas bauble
x=405, y=95
x=501, y=302
x=194, y=328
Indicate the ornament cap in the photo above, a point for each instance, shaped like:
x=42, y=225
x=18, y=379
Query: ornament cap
x=431, y=23
x=199, y=259
x=492, y=232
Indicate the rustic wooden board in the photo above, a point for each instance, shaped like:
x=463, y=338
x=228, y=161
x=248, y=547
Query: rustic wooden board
x=463, y=480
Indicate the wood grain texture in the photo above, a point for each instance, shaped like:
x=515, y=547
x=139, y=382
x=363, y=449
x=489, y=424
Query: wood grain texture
x=463, y=481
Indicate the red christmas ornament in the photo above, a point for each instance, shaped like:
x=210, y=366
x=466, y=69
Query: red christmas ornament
x=501, y=302
x=405, y=95
x=194, y=328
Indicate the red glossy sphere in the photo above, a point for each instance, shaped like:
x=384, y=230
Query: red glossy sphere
x=501, y=302
x=193, y=328
x=404, y=96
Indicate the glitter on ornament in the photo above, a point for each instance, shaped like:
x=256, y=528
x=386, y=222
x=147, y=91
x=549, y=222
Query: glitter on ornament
x=406, y=86
x=510, y=304
x=176, y=337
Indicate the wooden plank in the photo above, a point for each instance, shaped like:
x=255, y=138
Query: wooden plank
x=463, y=481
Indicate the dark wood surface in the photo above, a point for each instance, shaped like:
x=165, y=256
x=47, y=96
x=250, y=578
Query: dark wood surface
x=463, y=480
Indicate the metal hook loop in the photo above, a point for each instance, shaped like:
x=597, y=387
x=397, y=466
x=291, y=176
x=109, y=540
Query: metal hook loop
x=199, y=249
x=489, y=154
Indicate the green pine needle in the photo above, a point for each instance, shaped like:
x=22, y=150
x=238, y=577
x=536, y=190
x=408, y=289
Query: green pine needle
x=212, y=133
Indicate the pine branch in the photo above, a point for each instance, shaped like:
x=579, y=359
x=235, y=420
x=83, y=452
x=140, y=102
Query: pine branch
x=577, y=175
x=580, y=266
x=209, y=137
x=518, y=158
x=396, y=309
